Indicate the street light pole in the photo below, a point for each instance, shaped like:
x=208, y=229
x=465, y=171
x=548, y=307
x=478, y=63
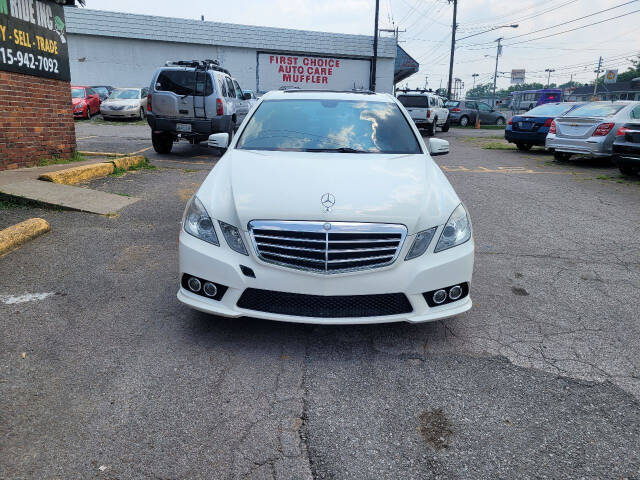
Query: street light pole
x=495, y=73
x=372, y=81
x=549, y=77
x=474, y=79
x=453, y=46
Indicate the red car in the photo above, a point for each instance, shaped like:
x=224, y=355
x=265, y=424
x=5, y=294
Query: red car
x=86, y=102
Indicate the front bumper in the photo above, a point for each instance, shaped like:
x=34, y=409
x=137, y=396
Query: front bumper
x=534, y=138
x=199, y=127
x=121, y=113
x=423, y=274
x=80, y=113
x=594, y=147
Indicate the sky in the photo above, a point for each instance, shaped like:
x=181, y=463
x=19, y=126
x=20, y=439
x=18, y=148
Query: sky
x=425, y=28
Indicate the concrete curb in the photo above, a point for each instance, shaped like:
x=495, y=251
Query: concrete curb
x=102, y=154
x=84, y=173
x=16, y=235
x=125, y=163
x=70, y=176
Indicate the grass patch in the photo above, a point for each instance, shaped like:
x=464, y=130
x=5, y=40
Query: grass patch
x=119, y=172
x=7, y=204
x=57, y=160
x=123, y=194
x=482, y=127
x=189, y=170
x=498, y=146
x=123, y=122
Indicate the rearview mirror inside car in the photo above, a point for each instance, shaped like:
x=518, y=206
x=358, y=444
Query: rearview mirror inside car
x=246, y=96
x=438, y=146
x=219, y=140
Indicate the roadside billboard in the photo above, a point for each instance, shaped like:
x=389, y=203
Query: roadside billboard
x=611, y=76
x=33, y=38
x=517, y=76
x=276, y=70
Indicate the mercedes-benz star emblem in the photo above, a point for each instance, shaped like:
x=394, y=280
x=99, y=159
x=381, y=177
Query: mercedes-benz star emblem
x=328, y=201
x=327, y=226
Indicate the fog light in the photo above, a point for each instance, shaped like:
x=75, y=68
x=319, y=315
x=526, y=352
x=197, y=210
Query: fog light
x=194, y=284
x=440, y=296
x=455, y=292
x=209, y=289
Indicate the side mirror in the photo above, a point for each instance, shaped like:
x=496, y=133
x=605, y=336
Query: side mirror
x=246, y=96
x=219, y=140
x=438, y=146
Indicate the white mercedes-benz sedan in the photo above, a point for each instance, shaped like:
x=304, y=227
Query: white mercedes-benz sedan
x=327, y=208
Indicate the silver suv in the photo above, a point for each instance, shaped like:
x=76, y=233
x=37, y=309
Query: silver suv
x=191, y=100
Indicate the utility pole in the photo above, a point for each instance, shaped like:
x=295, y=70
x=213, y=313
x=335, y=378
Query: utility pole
x=549, y=77
x=372, y=81
x=426, y=81
x=595, y=85
x=495, y=73
x=453, y=45
x=474, y=79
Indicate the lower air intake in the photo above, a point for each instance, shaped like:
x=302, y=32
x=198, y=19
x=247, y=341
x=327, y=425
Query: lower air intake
x=320, y=306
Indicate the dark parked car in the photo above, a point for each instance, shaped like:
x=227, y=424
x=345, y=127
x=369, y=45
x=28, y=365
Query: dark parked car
x=103, y=91
x=463, y=112
x=531, y=128
x=626, y=148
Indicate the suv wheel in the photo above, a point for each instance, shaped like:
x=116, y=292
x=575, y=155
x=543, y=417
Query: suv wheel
x=447, y=124
x=431, y=128
x=464, y=121
x=162, y=142
x=561, y=156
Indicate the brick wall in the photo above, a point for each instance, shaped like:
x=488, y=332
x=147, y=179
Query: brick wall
x=36, y=120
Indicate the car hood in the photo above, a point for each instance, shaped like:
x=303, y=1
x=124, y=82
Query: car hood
x=117, y=102
x=76, y=101
x=383, y=188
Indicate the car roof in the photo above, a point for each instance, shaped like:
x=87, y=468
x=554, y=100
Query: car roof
x=418, y=94
x=129, y=88
x=327, y=94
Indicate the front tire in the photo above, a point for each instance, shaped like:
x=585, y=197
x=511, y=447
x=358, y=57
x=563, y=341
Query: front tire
x=464, y=121
x=162, y=142
x=561, y=156
x=141, y=114
x=447, y=124
x=523, y=146
x=88, y=113
x=626, y=170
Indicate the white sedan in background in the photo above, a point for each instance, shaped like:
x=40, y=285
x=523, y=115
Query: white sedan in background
x=125, y=103
x=327, y=208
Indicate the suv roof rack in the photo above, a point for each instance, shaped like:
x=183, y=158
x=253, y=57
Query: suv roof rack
x=416, y=90
x=318, y=90
x=206, y=64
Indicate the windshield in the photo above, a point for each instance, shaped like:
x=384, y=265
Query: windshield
x=77, y=93
x=316, y=125
x=101, y=90
x=597, y=110
x=550, y=109
x=413, y=101
x=128, y=94
x=452, y=103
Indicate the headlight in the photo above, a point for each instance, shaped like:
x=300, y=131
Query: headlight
x=197, y=222
x=233, y=238
x=456, y=231
x=420, y=243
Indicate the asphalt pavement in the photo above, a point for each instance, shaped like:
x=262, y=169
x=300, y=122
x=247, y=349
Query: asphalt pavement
x=103, y=374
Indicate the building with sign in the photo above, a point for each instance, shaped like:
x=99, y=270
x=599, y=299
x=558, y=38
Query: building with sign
x=629, y=90
x=120, y=49
x=35, y=98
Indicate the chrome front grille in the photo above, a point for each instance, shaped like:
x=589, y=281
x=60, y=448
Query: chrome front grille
x=327, y=247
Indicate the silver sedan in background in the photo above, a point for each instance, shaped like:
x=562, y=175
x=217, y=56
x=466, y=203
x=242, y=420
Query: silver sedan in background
x=125, y=103
x=588, y=130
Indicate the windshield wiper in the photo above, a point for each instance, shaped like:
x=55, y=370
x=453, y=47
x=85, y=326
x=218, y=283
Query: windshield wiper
x=339, y=150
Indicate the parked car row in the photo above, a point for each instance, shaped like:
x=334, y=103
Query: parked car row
x=109, y=101
x=467, y=112
x=594, y=130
